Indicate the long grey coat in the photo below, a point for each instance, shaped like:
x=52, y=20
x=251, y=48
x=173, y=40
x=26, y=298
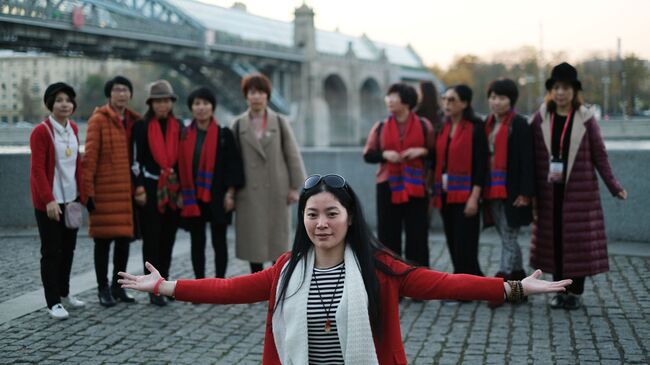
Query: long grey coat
x=272, y=166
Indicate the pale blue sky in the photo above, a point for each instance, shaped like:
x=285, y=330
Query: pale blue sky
x=440, y=30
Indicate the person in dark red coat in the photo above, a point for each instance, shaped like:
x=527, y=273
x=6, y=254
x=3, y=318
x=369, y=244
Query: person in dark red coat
x=569, y=232
x=56, y=180
x=335, y=298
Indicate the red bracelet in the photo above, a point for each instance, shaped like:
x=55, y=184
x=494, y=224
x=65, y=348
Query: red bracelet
x=157, y=286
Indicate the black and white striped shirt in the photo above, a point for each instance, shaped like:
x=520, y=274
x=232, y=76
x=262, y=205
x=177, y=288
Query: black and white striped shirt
x=324, y=347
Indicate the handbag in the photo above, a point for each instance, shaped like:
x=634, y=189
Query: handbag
x=73, y=212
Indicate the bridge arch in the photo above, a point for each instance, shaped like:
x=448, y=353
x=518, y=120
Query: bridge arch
x=372, y=105
x=336, y=97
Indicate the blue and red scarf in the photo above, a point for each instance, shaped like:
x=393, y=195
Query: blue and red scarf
x=458, y=159
x=496, y=187
x=199, y=190
x=406, y=179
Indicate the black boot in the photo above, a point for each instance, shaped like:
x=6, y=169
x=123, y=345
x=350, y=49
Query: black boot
x=157, y=300
x=105, y=298
x=121, y=295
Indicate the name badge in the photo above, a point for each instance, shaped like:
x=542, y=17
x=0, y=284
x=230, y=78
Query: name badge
x=444, y=182
x=556, y=171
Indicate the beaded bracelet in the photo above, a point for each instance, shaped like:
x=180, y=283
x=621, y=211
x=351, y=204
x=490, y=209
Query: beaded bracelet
x=516, y=292
x=156, y=287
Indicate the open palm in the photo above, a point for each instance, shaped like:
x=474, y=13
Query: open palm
x=143, y=283
x=533, y=285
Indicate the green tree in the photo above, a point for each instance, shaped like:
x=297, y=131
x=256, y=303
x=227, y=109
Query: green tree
x=91, y=95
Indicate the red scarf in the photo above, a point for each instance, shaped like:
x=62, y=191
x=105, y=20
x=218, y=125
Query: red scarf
x=165, y=153
x=193, y=192
x=496, y=187
x=405, y=178
x=459, y=163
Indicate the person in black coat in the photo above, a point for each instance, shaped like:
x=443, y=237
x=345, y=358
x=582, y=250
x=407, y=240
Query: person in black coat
x=510, y=186
x=210, y=168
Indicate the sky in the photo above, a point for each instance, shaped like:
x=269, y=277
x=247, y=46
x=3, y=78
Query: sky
x=442, y=30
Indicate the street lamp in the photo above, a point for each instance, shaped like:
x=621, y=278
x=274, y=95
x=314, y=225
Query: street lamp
x=527, y=80
x=606, y=81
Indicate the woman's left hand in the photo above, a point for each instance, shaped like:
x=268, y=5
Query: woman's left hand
x=292, y=197
x=534, y=285
x=521, y=201
x=228, y=202
x=471, y=207
x=622, y=195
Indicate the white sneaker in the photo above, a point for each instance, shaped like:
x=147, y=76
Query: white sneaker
x=72, y=301
x=58, y=312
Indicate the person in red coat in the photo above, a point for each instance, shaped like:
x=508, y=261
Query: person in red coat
x=335, y=298
x=55, y=180
x=569, y=232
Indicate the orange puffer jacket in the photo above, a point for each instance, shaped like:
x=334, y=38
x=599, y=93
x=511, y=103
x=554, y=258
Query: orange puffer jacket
x=107, y=174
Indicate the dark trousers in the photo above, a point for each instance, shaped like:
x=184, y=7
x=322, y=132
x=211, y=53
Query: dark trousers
x=158, y=232
x=57, y=250
x=578, y=285
x=120, y=258
x=412, y=216
x=198, y=238
x=462, y=235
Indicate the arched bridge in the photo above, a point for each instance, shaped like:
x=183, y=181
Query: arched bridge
x=331, y=84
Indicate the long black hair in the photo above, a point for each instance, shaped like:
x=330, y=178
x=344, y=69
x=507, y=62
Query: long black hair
x=465, y=94
x=360, y=239
x=429, y=107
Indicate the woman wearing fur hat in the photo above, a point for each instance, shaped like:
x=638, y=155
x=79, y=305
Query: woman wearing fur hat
x=107, y=181
x=569, y=230
x=55, y=180
x=156, y=141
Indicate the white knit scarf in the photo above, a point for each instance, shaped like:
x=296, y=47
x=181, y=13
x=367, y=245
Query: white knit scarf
x=352, y=321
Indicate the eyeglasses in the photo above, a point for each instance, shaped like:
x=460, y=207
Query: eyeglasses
x=332, y=180
x=120, y=90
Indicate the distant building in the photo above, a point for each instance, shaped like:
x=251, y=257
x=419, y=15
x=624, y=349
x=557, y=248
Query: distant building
x=24, y=77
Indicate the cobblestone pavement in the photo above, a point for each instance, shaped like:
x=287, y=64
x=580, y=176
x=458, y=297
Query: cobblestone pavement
x=613, y=327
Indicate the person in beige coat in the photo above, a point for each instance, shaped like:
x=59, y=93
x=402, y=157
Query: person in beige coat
x=274, y=171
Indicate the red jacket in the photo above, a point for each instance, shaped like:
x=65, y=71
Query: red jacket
x=41, y=176
x=420, y=283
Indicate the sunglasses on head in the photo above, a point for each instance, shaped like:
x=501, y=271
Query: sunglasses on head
x=332, y=180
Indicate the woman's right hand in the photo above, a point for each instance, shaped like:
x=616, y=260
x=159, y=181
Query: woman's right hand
x=143, y=283
x=391, y=156
x=53, y=210
x=140, y=196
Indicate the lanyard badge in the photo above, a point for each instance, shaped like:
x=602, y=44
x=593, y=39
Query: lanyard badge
x=556, y=166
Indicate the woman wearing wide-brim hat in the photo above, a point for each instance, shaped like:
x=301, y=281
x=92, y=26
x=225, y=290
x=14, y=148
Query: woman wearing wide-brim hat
x=155, y=158
x=569, y=229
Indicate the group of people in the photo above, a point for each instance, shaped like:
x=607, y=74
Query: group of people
x=508, y=170
x=143, y=177
x=334, y=297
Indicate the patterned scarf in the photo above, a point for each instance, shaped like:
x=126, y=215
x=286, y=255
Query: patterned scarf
x=496, y=187
x=200, y=190
x=405, y=178
x=165, y=152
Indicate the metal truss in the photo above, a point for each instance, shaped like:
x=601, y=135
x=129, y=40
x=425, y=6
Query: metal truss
x=155, y=17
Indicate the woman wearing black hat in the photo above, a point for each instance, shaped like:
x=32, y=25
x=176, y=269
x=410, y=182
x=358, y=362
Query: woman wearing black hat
x=156, y=141
x=55, y=181
x=107, y=182
x=210, y=169
x=569, y=231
